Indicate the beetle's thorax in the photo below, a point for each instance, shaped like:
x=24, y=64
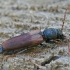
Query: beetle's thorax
x=51, y=34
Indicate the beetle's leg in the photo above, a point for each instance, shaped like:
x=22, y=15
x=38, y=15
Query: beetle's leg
x=7, y=56
x=42, y=44
x=13, y=55
x=60, y=42
x=20, y=52
x=68, y=43
x=57, y=42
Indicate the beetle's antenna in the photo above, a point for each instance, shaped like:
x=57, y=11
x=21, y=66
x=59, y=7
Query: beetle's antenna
x=65, y=16
x=62, y=29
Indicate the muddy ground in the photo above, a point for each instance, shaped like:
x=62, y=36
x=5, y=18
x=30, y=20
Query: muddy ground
x=17, y=16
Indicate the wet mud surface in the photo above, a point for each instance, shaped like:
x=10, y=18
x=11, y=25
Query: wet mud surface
x=17, y=16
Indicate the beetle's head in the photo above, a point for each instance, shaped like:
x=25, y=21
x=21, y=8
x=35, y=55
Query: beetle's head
x=60, y=34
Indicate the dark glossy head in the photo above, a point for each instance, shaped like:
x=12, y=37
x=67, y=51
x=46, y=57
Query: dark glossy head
x=52, y=33
x=59, y=34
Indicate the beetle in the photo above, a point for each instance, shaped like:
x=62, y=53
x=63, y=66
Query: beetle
x=33, y=38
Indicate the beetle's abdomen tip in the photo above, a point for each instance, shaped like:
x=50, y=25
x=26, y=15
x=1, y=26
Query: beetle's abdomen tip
x=1, y=49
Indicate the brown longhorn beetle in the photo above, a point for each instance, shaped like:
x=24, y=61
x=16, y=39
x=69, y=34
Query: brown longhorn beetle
x=33, y=38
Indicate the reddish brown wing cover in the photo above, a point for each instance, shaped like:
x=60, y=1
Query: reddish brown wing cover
x=23, y=41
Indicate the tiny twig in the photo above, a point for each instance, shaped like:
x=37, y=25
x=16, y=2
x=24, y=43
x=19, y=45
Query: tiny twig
x=39, y=66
